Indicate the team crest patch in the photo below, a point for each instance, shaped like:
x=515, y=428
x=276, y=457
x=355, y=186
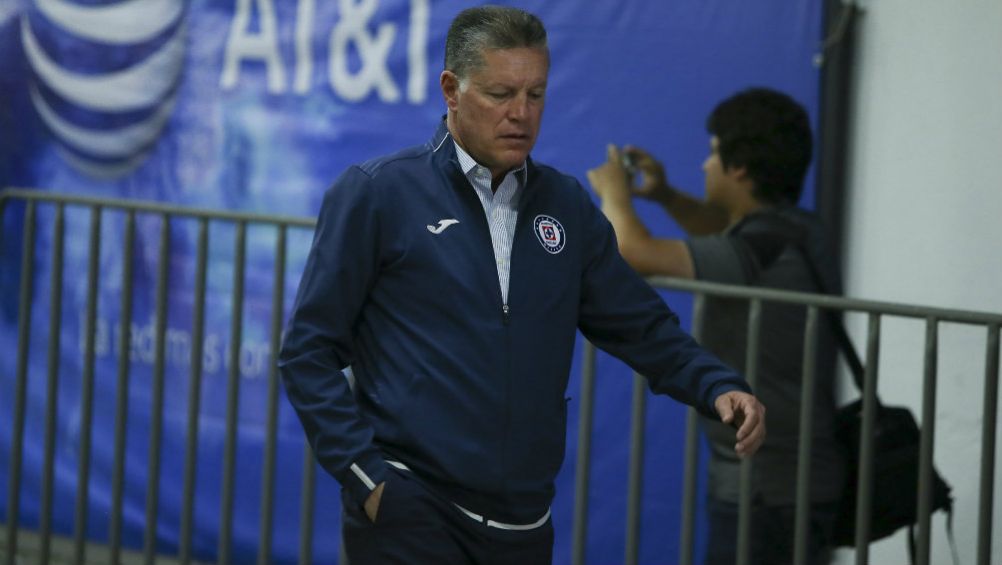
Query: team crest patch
x=550, y=233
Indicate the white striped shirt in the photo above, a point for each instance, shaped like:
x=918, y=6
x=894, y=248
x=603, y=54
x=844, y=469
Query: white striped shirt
x=501, y=209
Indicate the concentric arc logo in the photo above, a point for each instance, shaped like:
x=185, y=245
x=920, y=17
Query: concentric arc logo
x=147, y=87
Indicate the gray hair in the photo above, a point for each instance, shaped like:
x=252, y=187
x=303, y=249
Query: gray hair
x=478, y=29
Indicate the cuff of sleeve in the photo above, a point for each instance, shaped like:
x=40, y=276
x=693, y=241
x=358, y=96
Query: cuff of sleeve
x=722, y=388
x=363, y=475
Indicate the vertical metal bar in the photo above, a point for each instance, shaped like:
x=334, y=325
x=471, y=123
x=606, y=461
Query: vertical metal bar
x=688, y=533
x=803, y=504
x=233, y=396
x=926, y=446
x=87, y=388
x=157, y=408
x=271, y=426
x=745, y=496
x=194, y=394
x=3, y=208
x=52, y=387
x=122, y=390
x=20, y=393
x=864, y=492
x=583, y=465
x=989, y=420
x=306, y=508
x=342, y=552
x=636, y=473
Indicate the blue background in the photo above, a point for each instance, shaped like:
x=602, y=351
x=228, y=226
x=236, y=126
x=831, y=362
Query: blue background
x=645, y=72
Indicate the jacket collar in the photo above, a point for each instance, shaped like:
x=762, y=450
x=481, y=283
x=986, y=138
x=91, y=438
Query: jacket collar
x=443, y=151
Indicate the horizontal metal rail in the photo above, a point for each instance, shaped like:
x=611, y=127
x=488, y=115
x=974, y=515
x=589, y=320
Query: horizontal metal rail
x=828, y=302
x=151, y=207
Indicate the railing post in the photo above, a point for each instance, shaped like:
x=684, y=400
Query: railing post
x=122, y=391
x=271, y=423
x=20, y=392
x=635, y=485
x=688, y=533
x=745, y=496
x=926, y=447
x=805, y=440
x=989, y=419
x=306, y=503
x=583, y=465
x=232, y=397
x=194, y=393
x=865, y=478
x=87, y=389
x=52, y=386
x=157, y=407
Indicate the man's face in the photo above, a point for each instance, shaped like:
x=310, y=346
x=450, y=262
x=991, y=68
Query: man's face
x=495, y=113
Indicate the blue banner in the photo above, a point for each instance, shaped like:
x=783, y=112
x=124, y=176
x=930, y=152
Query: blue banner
x=257, y=105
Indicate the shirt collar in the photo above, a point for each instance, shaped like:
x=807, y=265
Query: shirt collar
x=468, y=164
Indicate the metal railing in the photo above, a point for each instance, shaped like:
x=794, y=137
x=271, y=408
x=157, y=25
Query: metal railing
x=815, y=304
x=98, y=208
x=80, y=548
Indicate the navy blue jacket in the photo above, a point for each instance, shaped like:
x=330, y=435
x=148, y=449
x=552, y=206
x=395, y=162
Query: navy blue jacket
x=464, y=390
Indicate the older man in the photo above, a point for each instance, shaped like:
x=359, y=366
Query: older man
x=452, y=277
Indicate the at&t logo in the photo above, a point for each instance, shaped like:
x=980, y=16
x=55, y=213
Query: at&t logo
x=106, y=77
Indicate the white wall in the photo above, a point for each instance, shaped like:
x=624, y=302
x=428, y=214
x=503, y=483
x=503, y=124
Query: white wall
x=923, y=220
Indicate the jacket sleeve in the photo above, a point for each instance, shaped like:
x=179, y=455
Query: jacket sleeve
x=341, y=268
x=621, y=314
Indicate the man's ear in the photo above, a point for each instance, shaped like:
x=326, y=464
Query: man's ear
x=741, y=178
x=450, y=88
x=738, y=173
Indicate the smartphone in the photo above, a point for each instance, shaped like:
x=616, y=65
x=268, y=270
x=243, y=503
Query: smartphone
x=627, y=160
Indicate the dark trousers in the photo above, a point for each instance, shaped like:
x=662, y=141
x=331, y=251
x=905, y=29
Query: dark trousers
x=771, y=533
x=417, y=527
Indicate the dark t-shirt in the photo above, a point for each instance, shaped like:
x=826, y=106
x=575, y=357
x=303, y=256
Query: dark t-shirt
x=749, y=253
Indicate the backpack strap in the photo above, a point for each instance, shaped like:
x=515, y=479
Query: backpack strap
x=764, y=246
x=949, y=533
x=949, y=536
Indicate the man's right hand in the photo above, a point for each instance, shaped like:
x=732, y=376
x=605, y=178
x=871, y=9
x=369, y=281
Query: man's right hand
x=372, y=503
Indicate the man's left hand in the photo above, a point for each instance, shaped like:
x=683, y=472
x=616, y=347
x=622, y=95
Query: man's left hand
x=747, y=414
x=611, y=179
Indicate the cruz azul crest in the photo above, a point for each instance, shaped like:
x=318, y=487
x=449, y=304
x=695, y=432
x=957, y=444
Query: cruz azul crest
x=550, y=233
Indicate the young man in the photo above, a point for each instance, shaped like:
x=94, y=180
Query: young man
x=748, y=231
x=452, y=277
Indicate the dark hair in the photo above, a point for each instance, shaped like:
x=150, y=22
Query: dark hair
x=489, y=27
x=769, y=134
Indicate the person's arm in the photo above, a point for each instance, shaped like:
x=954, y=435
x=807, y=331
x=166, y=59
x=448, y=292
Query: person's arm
x=647, y=254
x=695, y=216
x=341, y=268
x=624, y=316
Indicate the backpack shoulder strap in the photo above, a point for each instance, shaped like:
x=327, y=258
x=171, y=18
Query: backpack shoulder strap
x=765, y=235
